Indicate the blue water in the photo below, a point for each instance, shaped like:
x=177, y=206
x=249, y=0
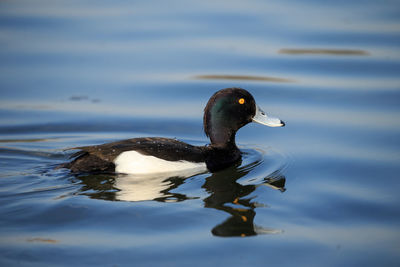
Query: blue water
x=322, y=191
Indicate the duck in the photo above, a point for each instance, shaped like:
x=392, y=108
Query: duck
x=226, y=112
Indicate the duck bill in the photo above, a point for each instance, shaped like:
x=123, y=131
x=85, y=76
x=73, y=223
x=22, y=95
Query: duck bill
x=262, y=118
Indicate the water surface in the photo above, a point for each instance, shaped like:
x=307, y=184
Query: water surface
x=321, y=191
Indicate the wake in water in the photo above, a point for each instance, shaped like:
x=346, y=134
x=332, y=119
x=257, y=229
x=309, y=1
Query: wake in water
x=228, y=190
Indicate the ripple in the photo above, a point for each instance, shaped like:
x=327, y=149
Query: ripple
x=22, y=153
x=337, y=52
x=243, y=78
x=29, y=140
x=43, y=240
x=262, y=164
x=258, y=167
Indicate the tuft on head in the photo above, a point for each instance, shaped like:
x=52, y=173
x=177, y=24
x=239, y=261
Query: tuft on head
x=227, y=111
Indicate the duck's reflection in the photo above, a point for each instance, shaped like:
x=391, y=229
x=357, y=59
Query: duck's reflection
x=132, y=188
x=225, y=194
x=228, y=195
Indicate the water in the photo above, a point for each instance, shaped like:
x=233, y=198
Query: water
x=321, y=191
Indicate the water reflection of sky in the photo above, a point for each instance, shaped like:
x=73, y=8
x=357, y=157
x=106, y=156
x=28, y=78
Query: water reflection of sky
x=82, y=73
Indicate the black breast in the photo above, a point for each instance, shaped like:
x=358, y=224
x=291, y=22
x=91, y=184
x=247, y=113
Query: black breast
x=218, y=158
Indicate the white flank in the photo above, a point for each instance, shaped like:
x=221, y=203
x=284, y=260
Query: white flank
x=132, y=162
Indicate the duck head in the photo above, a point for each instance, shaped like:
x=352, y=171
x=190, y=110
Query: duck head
x=230, y=109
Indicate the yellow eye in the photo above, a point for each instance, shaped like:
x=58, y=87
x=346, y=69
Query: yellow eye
x=241, y=101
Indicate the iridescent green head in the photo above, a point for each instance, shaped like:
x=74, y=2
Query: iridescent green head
x=230, y=109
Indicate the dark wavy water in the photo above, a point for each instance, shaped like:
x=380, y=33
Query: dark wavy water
x=321, y=191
